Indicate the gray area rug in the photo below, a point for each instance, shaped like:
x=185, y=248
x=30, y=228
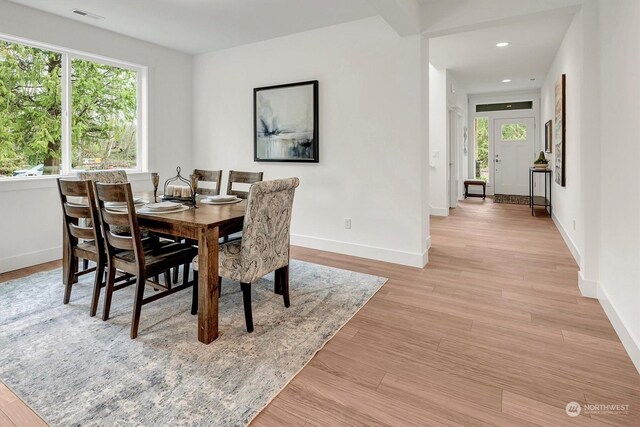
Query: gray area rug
x=77, y=370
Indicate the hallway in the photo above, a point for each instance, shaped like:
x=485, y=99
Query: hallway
x=493, y=331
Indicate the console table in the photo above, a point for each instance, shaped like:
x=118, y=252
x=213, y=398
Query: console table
x=540, y=200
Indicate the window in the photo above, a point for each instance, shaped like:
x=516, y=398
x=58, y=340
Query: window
x=104, y=117
x=481, y=131
x=30, y=110
x=39, y=85
x=514, y=132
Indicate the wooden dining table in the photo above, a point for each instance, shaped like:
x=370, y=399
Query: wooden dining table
x=205, y=224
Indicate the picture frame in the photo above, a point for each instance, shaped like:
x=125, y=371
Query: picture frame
x=548, y=137
x=560, y=131
x=285, y=123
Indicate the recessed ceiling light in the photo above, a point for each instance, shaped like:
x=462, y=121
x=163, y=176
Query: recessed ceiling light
x=506, y=81
x=502, y=44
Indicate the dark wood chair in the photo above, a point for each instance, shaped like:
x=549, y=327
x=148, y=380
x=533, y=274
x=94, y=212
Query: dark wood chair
x=237, y=177
x=126, y=253
x=84, y=240
x=264, y=246
x=208, y=176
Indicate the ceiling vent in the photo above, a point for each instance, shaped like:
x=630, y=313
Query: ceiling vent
x=86, y=14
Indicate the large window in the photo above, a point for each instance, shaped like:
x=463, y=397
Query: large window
x=39, y=86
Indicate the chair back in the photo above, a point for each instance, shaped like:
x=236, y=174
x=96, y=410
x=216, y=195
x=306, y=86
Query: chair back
x=237, y=177
x=266, y=229
x=208, y=176
x=112, y=220
x=80, y=216
x=115, y=176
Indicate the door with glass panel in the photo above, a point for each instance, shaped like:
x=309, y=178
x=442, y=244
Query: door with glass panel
x=514, y=154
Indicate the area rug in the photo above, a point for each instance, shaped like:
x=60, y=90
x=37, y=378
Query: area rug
x=511, y=199
x=76, y=370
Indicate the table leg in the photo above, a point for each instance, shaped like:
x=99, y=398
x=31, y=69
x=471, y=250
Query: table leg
x=208, y=284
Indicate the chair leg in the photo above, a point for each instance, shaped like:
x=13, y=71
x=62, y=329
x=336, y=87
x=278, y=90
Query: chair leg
x=219, y=286
x=108, y=293
x=85, y=264
x=277, y=281
x=194, y=298
x=167, y=278
x=185, y=273
x=97, y=285
x=285, y=286
x=246, y=298
x=176, y=273
x=137, y=305
x=69, y=280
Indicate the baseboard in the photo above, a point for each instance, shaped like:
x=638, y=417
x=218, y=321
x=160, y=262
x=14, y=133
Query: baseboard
x=425, y=254
x=438, y=211
x=588, y=288
x=629, y=341
x=364, y=251
x=30, y=259
x=570, y=244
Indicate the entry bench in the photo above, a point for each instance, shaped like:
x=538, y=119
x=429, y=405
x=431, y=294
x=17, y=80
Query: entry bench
x=469, y=182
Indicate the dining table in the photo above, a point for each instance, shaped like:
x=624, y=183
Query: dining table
x=206, y=224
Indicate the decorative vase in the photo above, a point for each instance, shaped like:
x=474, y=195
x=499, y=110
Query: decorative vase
x=540, y=165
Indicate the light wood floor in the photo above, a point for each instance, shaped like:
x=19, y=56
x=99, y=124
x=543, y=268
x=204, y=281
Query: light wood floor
x=493, y=332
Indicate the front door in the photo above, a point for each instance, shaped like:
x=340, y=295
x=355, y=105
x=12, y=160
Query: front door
x=514, y=154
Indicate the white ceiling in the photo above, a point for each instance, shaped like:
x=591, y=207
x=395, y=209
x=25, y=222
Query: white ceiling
x=480, y=66
x=197, y=26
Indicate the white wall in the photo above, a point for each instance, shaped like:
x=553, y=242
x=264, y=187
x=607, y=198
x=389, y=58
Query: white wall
x=619, y=151
x=31, y=226
x=438, y=135
x=567, y=201
x=372, y=133
x=458, y=100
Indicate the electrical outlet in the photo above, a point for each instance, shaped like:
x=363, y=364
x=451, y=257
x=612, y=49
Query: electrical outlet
x=347, y=223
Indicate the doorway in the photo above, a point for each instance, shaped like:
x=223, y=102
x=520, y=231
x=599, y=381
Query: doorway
x=514, y=154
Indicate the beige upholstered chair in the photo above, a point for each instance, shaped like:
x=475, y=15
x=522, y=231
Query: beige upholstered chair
x=116, y=176
x=264, y=246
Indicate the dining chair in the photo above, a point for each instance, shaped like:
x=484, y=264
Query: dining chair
x=264, y=246
x=82, y=237
x=237, y=177
x=207, y=177
x=127, y=253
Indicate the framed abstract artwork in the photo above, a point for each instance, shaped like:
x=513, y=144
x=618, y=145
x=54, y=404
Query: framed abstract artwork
x=548, y=137
x=285, y=120
x=560, y=131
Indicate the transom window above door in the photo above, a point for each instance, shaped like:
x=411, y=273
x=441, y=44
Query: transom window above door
x=514, y=132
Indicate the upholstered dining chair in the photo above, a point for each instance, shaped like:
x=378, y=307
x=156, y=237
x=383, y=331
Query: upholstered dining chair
x=127, y=253
x=206, y=176
x=115, y=176
x=264, y=246
x=237, y=177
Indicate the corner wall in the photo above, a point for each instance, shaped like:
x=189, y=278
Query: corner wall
x=372, y=133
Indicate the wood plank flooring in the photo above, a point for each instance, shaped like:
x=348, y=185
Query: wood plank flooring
x=493, y=332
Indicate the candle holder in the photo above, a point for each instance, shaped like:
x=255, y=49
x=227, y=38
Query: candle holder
x=155, y=179
x=191, y=199
x=194, y=187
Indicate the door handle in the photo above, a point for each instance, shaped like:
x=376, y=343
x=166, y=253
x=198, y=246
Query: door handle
x=497, y=160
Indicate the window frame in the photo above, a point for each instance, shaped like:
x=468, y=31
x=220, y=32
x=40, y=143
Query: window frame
x=141, y=98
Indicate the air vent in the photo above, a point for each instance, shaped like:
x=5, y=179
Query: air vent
x=86, y=14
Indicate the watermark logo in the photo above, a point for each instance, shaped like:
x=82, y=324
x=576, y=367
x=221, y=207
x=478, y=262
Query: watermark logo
x=573, y=409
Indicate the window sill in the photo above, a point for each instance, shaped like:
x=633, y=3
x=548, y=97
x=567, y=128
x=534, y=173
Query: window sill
x=39, y=182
